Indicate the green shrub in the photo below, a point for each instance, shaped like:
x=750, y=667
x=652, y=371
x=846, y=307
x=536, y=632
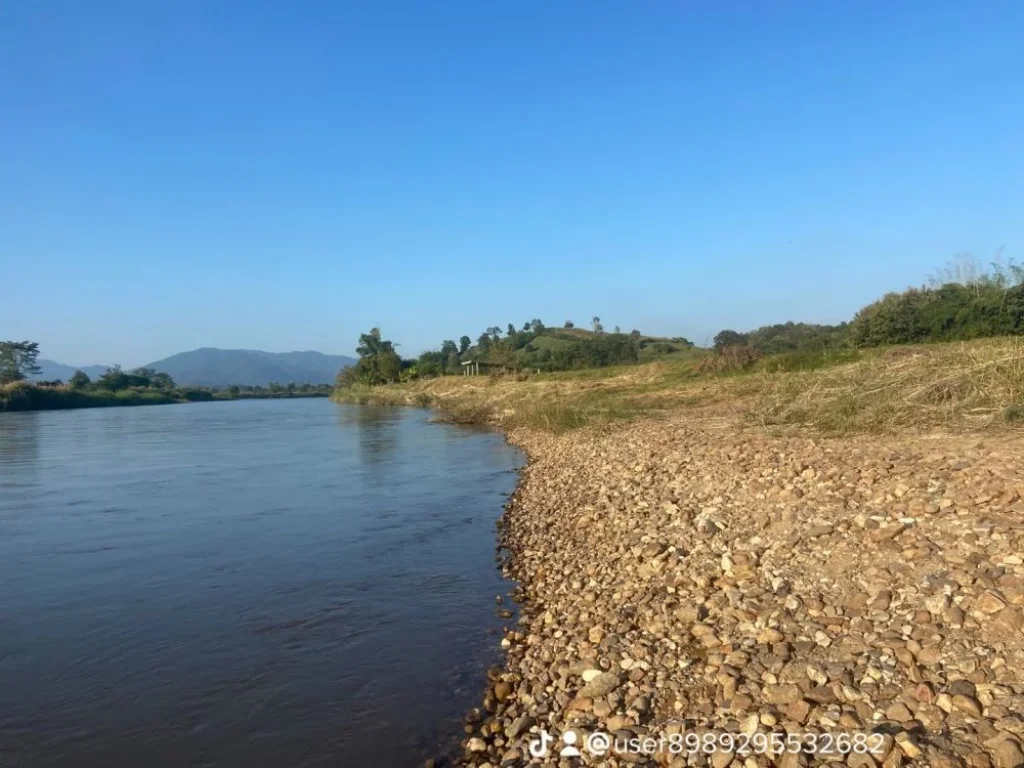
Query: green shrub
x=1013, y=413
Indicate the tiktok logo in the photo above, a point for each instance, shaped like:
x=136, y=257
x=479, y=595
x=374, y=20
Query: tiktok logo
x=539, y=747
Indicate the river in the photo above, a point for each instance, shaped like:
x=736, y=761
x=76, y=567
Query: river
x=256, y=582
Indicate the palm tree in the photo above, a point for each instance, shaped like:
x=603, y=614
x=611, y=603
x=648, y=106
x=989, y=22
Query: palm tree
x=372, y=345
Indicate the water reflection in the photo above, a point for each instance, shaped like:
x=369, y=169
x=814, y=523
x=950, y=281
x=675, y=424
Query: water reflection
x=377, y=429
x=19, y=442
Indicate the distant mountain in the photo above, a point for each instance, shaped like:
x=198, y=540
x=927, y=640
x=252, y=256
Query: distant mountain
x=211, y=367
x=52, y=371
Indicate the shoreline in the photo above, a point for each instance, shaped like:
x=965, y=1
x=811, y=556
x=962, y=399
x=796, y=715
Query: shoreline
x=691, y=574
x=33, y=399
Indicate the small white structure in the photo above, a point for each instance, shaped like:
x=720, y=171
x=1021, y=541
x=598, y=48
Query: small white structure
x=471, y=368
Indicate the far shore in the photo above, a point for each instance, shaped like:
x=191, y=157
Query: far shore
x=25, y=396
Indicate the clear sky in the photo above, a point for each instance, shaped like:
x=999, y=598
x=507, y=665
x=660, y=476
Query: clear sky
x=284, y=175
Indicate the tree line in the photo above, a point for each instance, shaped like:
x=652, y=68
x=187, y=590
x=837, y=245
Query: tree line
x=19, y=362
x=531, y=346
x=962, y=301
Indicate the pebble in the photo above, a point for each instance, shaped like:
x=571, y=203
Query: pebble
x=699, y=573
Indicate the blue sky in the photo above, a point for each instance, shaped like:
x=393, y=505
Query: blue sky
x=285, y=175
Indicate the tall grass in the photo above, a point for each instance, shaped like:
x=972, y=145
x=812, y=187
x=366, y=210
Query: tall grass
x=954, y=385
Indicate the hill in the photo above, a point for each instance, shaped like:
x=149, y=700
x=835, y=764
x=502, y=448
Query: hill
x=212, y=367
x=52, y=371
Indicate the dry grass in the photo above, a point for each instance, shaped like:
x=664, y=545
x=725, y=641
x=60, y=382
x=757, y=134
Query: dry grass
x=960, y=385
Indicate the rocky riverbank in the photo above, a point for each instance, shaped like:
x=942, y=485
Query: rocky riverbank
x=689, y=574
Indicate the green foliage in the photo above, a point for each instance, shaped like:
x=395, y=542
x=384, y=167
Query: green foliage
x=371, y=344
x=378, y=362
x=560, y=353
x=464, y=344
x=964, y=301
x=23, y=396
x=951, y=312
x=388, y=366
x=115, y=379
x=807, y=360
x=656, y=349
x=18, y=360
x=27, y=396
x=729, y=338
x=1013, y=413
x=141, y=386
x=161, y=380
x=785, y=337
x=431, y=363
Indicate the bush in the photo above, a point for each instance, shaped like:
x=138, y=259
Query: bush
x=808, y=360
x=951, y=312
x=1013, y=413
x=730, y=360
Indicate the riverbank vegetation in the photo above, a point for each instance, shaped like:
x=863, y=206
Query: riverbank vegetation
x=950, y=385
x=534, y=347
x=948, y=355
x=140, y=386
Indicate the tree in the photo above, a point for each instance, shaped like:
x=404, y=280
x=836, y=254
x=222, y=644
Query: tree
x=430, y=363
x=598, y=328
x=161, y=380
x=536, y=325
x=729, y=338
x=504, y=353
x=569, y=324
x=494, y=332
x=389, y=366
x=511, y=330
x=371, y=344
x=79, y=380
x=378, y=362
x=617, y=329
x=113, y=379
x=144, y=373
x=464, y=344
x=18, y=360
x=448, y=347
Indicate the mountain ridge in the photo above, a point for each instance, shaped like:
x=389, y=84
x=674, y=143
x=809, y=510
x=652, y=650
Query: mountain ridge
x=215, y=367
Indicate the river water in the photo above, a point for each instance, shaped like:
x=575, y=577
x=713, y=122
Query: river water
x=261, y=582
